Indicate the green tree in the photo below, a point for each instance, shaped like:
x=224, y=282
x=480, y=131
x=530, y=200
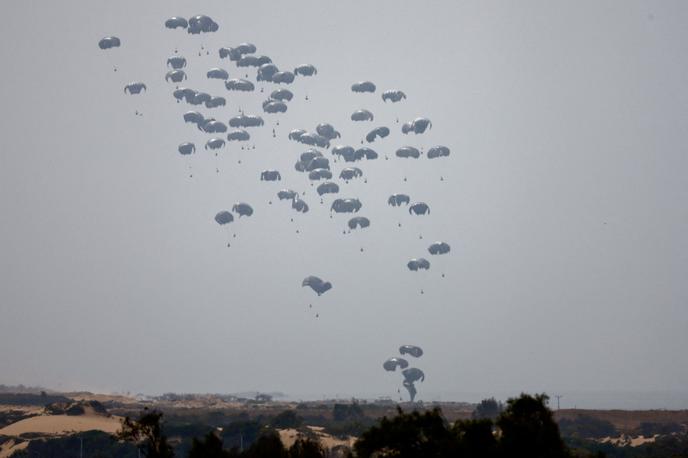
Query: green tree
x=306, y=448
x=475, y=439
x=209, y=447
x=488, y=408
x=267, y=445
x=287, y=419
x=527, y=428
x=146, y=433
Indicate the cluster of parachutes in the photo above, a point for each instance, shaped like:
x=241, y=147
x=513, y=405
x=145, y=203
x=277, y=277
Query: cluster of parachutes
x=411, y=374
x=312, y=162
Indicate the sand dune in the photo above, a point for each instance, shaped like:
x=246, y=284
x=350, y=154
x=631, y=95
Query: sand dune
x=62, y=424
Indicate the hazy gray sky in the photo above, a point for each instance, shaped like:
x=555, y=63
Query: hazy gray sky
x=565, y=201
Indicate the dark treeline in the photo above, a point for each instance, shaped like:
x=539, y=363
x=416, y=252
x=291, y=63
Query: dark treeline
x=523, y=427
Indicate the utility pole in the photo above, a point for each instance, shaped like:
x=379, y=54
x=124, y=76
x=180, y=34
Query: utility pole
x=558, y=396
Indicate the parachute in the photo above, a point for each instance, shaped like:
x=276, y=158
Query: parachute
x=420, y=208
x=213, y=127
x=135, y=88
x=327, y=131
x=350, y=173
x=246, y=121
x=396, y=200
x=215, y=102
x=392, y=363
x=393, y=95
x=193, y=117
x=408, y=152
x=328, y=187
x=283, y=77
x=238, y=135
x=319, y=174
x=109, y=43
x=358, y=222
x=242, y=209
x=317, y=284
x=366, y=153
x=224, y=217
x=176, y=62
x=282, y=95
x=346, y=206
x=363, y=86
x=186, y=148
x=274, y=106
x=418, y=264
x=253, y=61
x=238, y=84
x=412, y=350
x=305, y=70
x=380, y=132
x=175, y=76
x=417, y=126
x=300, y=206
x=215, y=143
x=286, y=194
x=270, y=175
x=266, y=72
x=438, y=151
x=176, y=22
x=201, y=24
x=439, y=248
x=362, y=115
x=217, y=73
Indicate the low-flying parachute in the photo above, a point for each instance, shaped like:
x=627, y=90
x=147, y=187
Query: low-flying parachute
x=318, y=162
x=242, y=209
x=412, y=375
x=419, y=208
x=317, y=284
x=199, y=98
x=135, y=88
x=274, y=106
x=282, y=95
x=328, y=131
x=215, y=143
x=270, y=175
x=314, y=140
x=363, y=86
x=396, y=200
x=296, y=134
x=246, y=121
x=175, y=76
x=412, y=350
x=328, y=187
x=246, y=48
x=283, y=78
x=439, y=248
x=300, y=206
x=224, y=217
x=109, y=43
x=392, y=363
x=306, y=161
x=217, y=73
x=239, y=84
x=362, y=115
x=393, y=95
x=346, y=206
x=408, y=152
x=238, y=135
x=418, y=264
x=176, y=62
x=176, y=22
x=350, y=173
x=287, y=194
x=417, y=126
x=201, y=24
x=358, y=222
x=438, y=151
x=380, y=132
x=184, y=93
x=348, y=153
x=187, y=148
x=305, y=70
x=366, y=153
x=233, y=53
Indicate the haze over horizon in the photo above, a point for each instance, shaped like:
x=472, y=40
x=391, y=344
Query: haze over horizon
x=564, y=201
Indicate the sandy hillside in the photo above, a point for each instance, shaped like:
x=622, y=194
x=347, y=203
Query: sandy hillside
x=62, y=424
x=289, y=436
x=9, y=447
